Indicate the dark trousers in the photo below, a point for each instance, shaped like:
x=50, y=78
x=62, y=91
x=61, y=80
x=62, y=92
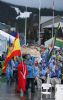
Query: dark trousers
x=15, y=76
x=30, y=81
x=61, y=81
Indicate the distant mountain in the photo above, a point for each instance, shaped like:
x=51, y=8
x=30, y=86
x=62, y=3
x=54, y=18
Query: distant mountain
x=8, y=16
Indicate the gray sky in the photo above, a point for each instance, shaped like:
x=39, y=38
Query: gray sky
x=58, y=4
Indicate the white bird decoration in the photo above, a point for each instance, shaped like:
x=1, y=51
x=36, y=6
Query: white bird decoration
x=20, y=14
x=24, y=15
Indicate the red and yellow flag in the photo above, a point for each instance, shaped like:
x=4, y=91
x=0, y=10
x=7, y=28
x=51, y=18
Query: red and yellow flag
x=14, y=50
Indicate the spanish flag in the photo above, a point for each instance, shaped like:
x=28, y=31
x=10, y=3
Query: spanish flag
x=14, y=50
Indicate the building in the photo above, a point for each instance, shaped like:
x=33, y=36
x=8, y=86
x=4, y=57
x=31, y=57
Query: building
x=48, y=23
x=4, y=27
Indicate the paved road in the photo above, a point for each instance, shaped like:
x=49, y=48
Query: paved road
x=7, y=92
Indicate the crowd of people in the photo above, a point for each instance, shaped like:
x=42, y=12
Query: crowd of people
x=52, y=68
x=35, y=73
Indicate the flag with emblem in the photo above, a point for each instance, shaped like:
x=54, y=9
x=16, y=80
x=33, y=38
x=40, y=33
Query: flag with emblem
x=13, y=50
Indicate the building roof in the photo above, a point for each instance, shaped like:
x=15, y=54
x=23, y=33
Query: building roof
x=45, y=18
x=4, y=26
x=47, y=22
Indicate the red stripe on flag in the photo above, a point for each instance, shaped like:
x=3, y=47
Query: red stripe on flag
x=15, y=53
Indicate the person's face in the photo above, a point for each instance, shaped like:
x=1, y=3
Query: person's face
x=30, y=63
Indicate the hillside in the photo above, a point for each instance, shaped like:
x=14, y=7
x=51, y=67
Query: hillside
x=8, y=15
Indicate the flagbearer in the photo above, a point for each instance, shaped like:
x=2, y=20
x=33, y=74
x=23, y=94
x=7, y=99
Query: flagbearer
x=22, y=73
x=14, y=51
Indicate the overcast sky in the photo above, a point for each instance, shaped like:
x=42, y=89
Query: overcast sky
x=58, y=4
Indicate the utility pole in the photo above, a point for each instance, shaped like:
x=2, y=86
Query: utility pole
x=39, y=20
x=25, y=26
x=53, y=21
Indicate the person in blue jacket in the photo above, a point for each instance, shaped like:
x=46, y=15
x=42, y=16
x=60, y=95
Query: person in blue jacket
x=38, y=81
x=8, y=74
x=31, y=76
x=56, y=76
x=44, y=72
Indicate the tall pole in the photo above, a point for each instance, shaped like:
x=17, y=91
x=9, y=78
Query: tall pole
x=53, y=21
x=25, y=27
x=39, y=19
